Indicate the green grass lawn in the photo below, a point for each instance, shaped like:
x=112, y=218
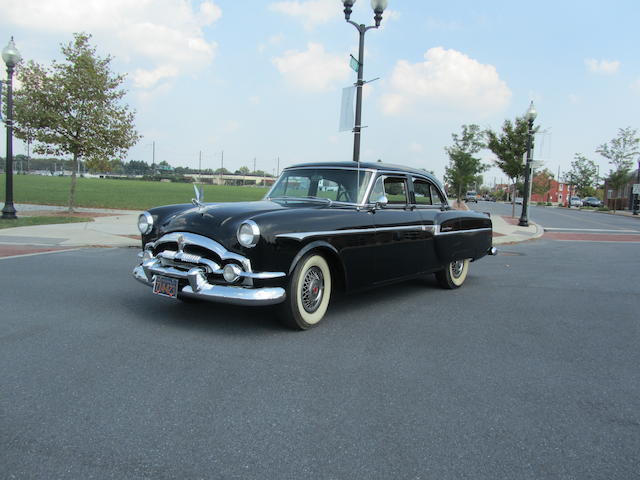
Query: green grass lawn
x=122, y=194
x=29, y=221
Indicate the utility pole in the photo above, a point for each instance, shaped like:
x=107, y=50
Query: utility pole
x=200, y=162
x=254, y=165
x=278, y=169
x=153, y=154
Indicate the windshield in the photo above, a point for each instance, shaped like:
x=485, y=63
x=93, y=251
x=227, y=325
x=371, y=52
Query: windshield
x=336, y=185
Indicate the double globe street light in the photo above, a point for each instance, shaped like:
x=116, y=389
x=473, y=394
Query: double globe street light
x=11, y=57
x=530, y=116
x=378, y=7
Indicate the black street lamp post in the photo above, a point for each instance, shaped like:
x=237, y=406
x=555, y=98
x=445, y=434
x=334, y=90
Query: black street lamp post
x=530, y=116
x=636, y=203
x=11, y=57
x=378, y=7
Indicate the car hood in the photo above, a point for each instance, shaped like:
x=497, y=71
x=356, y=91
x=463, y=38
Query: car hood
x=220, y=221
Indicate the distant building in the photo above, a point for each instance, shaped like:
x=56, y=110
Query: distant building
x=559, y=192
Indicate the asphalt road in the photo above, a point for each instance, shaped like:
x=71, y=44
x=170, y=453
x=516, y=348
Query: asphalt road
x=530, y=371
x=565, y=218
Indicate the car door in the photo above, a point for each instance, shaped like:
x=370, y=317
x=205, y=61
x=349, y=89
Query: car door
x=429, y=202
x=399, y=232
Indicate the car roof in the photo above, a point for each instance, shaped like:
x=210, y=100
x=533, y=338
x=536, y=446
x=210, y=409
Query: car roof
x=384, y=167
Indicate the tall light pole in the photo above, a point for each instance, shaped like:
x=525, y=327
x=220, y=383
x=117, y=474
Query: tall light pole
x=11, y=57
x=636, y=200
x=530, y=117
x=378, y=7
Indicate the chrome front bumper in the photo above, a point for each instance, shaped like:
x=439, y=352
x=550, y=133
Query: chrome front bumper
x=194, y=269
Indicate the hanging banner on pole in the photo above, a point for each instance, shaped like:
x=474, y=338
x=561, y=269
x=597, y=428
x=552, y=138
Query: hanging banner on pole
x=347, y=119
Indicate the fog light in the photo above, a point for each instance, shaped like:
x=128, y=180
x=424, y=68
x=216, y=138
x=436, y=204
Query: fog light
x=231, y=272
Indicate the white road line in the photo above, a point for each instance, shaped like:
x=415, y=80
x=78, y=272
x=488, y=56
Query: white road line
x=40, y=253
x=549, y=229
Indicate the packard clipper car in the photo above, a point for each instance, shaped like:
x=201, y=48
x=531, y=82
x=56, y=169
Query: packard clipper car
x=322, y=228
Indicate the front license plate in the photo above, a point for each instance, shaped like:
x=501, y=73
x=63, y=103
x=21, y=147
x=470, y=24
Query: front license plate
x=165, y=286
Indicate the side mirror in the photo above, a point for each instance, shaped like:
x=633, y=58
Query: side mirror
x=382, y=201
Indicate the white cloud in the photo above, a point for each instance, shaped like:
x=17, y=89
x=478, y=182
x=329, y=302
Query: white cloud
x=313, y=69
x=164, y=35
x=311, y=12
x=603, y=67
x=446, y=78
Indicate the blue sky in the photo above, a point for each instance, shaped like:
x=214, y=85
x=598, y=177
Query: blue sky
x=263, y=79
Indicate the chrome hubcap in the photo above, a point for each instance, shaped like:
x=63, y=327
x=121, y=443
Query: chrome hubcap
x=312, y=289
x=456, y=268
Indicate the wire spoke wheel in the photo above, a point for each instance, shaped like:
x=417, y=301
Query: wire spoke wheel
x=454, y=274
x=308, y=293
x=312, y=289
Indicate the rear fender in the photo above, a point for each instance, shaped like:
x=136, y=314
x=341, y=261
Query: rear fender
x=460, y=235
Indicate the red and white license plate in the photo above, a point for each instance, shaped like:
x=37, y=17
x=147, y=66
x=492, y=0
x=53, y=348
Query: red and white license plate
x=165, y=286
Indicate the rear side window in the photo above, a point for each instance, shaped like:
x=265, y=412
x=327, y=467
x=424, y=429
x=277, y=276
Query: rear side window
x=426, y=193
x=422, y=191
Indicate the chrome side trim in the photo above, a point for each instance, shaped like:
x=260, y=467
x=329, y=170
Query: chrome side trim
x=454, y=232
x=305, y=235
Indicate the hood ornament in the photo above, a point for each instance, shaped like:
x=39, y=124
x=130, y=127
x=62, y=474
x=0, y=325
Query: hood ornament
x=198, y=201
x=181, y=243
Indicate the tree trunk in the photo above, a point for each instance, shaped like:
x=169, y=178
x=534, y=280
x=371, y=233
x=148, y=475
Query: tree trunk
x=513, y=200
x=72, y=190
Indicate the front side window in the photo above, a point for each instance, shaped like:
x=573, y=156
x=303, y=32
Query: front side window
x=338, y=185
x=394, y=188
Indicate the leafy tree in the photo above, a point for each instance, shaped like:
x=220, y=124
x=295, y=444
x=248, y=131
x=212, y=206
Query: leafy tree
x=463, y=169
x=74, y=108
x=510, y=147
x=583, y=175
x=137, y=167
x=621, y=152
x=541, y=183
x=243, y=171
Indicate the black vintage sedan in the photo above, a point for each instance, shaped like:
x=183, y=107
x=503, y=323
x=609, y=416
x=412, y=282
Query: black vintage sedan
x=322, y=227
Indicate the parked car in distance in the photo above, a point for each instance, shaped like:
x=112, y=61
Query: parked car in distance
x=306, y=239
x=471, y=196
x=575, y=202
x=518, y=200
x=592, y=202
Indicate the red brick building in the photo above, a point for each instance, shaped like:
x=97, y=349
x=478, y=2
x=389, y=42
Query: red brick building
x=559, y=192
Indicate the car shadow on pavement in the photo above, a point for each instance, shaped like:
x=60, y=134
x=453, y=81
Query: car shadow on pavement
x=206, y=316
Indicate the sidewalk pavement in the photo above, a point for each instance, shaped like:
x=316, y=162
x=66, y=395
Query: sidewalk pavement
x=119, y=228
x=110, y=228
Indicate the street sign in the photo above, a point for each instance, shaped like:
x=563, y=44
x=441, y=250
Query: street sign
x=354, y=64
x=636, y=188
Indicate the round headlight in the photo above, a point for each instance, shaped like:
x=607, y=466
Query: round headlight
x=248, y=234
x=145, y=223
x=231, y=272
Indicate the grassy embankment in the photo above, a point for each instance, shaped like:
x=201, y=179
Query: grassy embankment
x=120, y=194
